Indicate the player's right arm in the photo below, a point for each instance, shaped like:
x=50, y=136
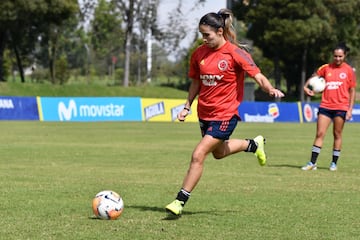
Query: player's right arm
x=193, y=92
x=307, y=90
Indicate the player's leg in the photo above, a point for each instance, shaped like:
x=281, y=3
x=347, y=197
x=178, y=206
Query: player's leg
x=338, y=127
x=223, y=130
x=323, y=122
x=232, y=146
x=229, y=147
x=205, y=146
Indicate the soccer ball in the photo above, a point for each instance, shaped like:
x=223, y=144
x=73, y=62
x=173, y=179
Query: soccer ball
x=317, y=84
x=107, y=205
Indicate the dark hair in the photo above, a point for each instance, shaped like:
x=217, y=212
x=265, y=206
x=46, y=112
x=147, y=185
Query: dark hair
x=213, y=20
x=223, y=19
x=342, y=46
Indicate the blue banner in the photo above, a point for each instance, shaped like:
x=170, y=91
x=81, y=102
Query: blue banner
x=310, y=112
x=356, y=113
x=90, y=109
x=18, y=108
x=269, y=112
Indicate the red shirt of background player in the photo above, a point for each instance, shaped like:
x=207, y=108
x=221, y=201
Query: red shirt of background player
x=222, y=74
x=339, y=79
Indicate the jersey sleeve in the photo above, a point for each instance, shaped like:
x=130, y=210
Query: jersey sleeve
x=322, y=70
x=245, y=61
x=352, y=77
x=194, y=70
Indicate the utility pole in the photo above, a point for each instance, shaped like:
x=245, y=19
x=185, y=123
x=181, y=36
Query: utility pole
x=149, y=45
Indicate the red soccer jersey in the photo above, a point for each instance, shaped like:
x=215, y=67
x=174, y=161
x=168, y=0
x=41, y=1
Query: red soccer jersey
x=221, y=73
x=339, y=79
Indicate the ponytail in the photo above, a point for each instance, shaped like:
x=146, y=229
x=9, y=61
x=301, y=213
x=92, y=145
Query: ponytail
x=223, y=19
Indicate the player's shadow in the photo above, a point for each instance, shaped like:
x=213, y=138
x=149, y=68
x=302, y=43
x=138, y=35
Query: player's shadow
x=283, y=166
x=169, y=216
x=290, y=166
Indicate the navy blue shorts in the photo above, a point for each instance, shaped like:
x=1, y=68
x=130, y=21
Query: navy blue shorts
x=332, y=113
x=219, y=129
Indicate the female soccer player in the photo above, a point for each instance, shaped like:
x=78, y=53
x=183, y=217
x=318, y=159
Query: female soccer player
x=336, y=104
x=217, y=70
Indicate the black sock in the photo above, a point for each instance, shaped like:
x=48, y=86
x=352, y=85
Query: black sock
x=183, y=195
x=315, y=153
x=252, y=147
x=336, y=155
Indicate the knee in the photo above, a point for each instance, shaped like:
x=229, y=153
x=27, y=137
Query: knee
x=320, y=134
x=337, y=135
x=217, y=155
x=197, y=158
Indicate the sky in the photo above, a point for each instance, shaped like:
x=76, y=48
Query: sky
x=166, y=6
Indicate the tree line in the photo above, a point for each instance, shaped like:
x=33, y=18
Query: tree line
x=86, y=37
x=298, y=35
x=289, y=39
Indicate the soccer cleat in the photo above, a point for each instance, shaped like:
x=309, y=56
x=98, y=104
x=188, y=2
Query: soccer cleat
x=175, y=207
x=333, y=166
x=260, y=152
x=309, y=166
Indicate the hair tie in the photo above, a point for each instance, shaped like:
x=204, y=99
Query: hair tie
x=223, y=15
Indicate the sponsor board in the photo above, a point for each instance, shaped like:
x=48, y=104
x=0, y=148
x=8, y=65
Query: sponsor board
x=18, y=108
x=310, y=111
x=269, y=112
x=90, y=109
x=166, y=110
x=356, y=113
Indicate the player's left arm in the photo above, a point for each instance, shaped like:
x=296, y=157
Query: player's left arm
x=245, y=61
x=352, y=93
x=265, y=84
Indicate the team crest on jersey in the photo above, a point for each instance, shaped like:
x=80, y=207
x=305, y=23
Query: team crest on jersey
x=342, y=75
x=222, y=65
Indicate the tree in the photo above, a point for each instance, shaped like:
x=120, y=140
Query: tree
x=106, y=35
x=298, y=34
x=139, y=23
x=23, y=22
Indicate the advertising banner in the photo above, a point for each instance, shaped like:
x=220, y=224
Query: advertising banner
x=356, y=113
x=310, y=112
x=269, y=112
x=90, y=109
x=18, y=108
x=166, y=110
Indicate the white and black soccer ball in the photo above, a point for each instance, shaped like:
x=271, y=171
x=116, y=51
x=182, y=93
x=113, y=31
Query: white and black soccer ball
x=317, y=84
x=107, y=205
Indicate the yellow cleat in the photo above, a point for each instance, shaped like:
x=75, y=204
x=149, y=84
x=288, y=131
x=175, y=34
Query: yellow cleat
x=175, y=207
x=260, y=152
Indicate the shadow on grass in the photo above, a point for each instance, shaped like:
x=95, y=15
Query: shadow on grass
x=292, y=166
x=283, y=166
x=168, y=216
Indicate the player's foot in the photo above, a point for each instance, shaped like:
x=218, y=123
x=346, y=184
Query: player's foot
x=333, y=166
x=309, y=166
x=260, y=152
x=175, y=207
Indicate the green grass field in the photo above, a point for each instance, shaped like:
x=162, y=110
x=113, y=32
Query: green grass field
x=50, y=172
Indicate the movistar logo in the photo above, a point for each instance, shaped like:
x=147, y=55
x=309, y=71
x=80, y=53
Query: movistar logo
x=66, y=113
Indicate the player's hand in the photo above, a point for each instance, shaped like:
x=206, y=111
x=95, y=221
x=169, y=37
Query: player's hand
x=182, y=115
x=308, y=91
x=276, y=93
x=348, y=115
